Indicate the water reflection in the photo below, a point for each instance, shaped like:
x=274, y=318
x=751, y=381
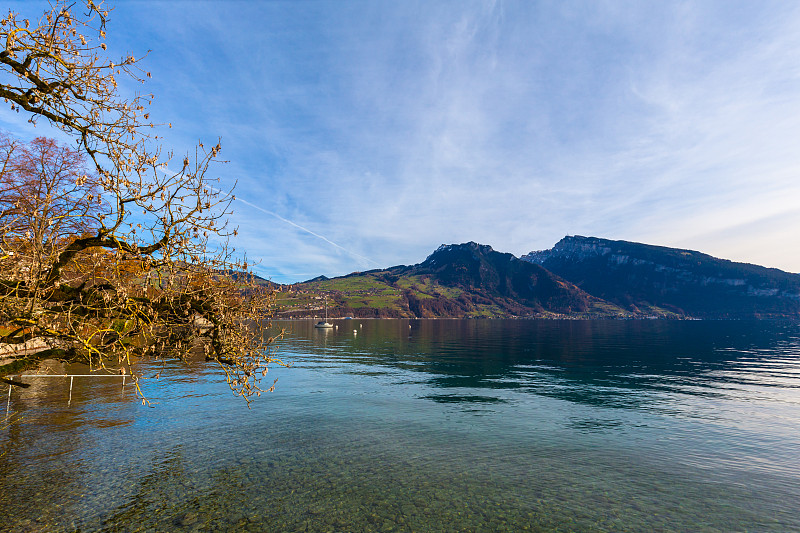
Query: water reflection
x=620, y=364
x=43, y=430
x=432, y=426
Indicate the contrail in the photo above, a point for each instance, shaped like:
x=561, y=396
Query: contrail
x=298, y=226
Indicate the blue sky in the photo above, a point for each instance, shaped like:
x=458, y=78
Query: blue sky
x=365, y=134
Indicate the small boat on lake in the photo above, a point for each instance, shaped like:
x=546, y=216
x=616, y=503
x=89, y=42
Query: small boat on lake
x=324, y=323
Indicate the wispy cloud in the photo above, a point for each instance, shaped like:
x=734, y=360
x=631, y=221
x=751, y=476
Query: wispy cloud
x=380, y=130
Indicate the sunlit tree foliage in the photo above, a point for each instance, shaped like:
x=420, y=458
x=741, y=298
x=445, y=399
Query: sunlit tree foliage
x=112, y=250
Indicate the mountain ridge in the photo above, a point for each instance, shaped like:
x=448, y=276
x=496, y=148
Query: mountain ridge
x=687, y=282
x=580, y=277
x=456, y=280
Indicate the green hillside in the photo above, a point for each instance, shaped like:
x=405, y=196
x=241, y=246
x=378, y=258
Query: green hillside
x=459, y=281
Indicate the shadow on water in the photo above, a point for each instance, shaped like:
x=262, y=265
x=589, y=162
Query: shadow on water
x=45, y=425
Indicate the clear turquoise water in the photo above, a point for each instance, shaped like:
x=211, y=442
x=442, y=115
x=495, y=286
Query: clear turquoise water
x=441, y=426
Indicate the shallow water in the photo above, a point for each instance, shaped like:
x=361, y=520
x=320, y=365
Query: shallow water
x=441, y=426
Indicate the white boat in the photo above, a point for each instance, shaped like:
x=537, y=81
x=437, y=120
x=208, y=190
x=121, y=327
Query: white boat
x=324, y=323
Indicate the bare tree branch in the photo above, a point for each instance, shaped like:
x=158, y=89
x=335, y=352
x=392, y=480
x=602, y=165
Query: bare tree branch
x=106, y=255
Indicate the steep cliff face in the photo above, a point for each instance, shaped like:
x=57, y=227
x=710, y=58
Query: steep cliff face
x=641, y=277
x=457, y=280
x=515, y=285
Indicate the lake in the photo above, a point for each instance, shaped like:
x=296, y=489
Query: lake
x=430, y=425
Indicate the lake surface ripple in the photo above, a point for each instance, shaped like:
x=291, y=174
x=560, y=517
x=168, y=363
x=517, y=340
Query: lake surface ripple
x=448, y=425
